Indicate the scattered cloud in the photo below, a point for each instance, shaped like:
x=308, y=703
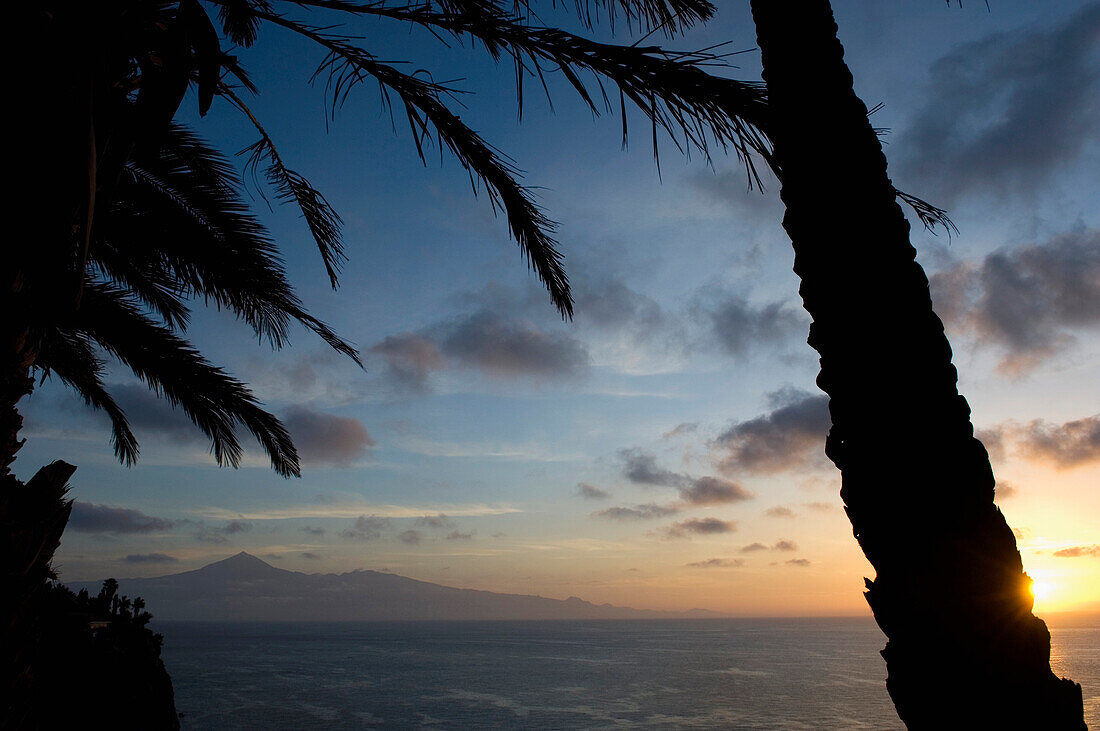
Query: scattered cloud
x=714, y=491
x=1078, y=552
x=779, y=511
x=792, y=435
x=310, y=555
x=780, y=545
x=92, y=518
x=410, y=359
x=820, y=507
x=327, y=439
x=739, y=326
x=715, y=563
x=151, y=558
x=1003, y=113
x=798, y=562
x=588, y=492
x=411, y=537
x=681, y=430
x=148, y=414
x=312, y=530
x=221, y=535
x=366, y=528
x=648, y=511
x=435, y=521
x=1005, y=490
x=508, y=347
x=1071, y=444
x=610, y=304
x=1025, y=300
x=640, y=467
x=457, y=535
x=700, y=526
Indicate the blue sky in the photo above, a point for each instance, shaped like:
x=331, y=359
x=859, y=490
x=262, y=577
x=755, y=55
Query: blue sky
x=664, y=448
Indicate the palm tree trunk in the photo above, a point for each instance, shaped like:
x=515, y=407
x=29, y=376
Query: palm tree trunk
x=964, y=649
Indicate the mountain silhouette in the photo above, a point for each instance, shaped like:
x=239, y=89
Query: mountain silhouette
x=246, y=588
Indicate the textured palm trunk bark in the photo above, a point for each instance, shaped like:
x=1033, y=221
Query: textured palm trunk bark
x=964, y=649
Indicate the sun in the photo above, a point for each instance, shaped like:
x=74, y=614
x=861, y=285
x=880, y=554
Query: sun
x=1042, y=590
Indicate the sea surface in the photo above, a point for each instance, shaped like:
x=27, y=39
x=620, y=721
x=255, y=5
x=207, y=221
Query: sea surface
x=659, y=674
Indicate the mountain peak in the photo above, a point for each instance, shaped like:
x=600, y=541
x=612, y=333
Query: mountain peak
x=242, y=566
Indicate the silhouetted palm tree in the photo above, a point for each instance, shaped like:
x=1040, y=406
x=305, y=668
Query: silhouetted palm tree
x=135, y=216
x=964, y=649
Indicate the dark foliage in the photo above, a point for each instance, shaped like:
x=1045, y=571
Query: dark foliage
x=92, y=656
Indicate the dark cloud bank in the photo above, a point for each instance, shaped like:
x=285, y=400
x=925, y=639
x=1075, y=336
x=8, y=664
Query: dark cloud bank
x=1005, y=112
x=791, y=435
x=92, y=518
x=1025, y=300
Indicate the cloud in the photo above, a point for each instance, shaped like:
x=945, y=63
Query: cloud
x=780, y=545
x=151, y=558
x=820, y=507
x=993, y=441
x=366, y=528
x=1071, y=444
x=1004, y=112
x=700, y=526
x=456, y=535
x=588, y=492
x=221, y=535
x=714, y=491
x=1005, y=491
x=410, y=358
x=779, y=511
x=310, y=555
x=681, y=430
x=411, y=537
x=147, y=413
x=92, y=518
x=312, y=530
x=739, y=326
x=714, y=563
x=435, y=521
x=798, y=562
x=792, y=435
x=640, y=467
x=610, y=304
x=507, y=347
x=1078, y=551
x=326, y=439
x=1025, y=300
x=638, y=512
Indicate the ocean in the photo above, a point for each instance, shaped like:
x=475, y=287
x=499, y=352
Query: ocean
x=646, y=674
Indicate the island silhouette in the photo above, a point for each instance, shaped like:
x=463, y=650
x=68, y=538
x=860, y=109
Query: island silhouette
x=246, y=588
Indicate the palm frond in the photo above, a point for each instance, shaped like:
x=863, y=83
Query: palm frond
x=213, y=400
x=71, y=358
x=930, y=216
x=671, y=88
x=668, y=16
x=323, y=220
x=185, y=200
x=239, y=21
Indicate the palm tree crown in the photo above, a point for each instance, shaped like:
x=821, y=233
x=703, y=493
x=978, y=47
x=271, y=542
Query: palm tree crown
x=149, y=217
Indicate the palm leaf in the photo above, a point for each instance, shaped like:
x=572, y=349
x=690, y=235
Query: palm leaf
x=70, y=356
x=213, y=400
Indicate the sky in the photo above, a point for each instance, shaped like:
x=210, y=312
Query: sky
x=665, y=448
